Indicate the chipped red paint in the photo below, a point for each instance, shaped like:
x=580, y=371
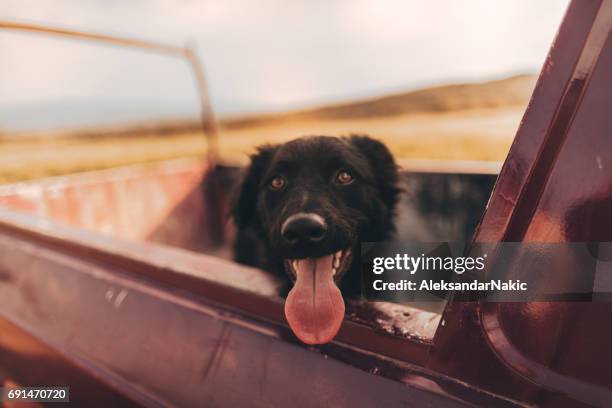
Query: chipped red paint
x=131, y=202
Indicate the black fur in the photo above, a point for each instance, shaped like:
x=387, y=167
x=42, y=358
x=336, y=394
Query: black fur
x=360, y=211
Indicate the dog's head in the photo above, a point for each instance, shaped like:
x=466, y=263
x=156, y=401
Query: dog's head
x=312, y=201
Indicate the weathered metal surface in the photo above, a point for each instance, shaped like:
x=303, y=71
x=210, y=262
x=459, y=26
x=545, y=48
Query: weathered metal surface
x=170, y=202
x=555, y=186
x=160, y=203
x=169, y=197
x=30, y=361
x=163, y=325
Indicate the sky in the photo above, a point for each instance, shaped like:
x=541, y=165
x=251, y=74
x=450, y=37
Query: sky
x=259, y=55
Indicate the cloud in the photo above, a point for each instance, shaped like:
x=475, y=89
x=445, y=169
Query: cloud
x=272, y=54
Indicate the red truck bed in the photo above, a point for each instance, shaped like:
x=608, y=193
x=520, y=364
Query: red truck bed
x=108, y=283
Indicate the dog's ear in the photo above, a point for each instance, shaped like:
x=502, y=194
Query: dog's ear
x=243, y=207
x=383, y=166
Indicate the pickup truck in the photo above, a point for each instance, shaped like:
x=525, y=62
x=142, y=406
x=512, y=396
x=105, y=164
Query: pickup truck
x=119, y=283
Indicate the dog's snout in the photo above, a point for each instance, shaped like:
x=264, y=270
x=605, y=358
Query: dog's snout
x=304, y=228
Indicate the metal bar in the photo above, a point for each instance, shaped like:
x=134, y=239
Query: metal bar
x=168, y=49
x=207, y=117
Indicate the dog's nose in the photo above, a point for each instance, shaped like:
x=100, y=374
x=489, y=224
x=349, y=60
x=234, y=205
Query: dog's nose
x=304, y=228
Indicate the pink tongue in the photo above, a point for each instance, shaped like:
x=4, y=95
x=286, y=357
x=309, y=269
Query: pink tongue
x=314, y=308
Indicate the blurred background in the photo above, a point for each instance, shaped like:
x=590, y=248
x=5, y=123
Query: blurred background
x=441, y=80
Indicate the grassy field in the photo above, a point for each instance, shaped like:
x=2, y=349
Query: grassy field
x=458, y=122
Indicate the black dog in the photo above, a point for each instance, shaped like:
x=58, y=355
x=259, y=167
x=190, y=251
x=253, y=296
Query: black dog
x=302, y=210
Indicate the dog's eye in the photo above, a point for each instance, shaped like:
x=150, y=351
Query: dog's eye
x=344, y=177
x=277, y=183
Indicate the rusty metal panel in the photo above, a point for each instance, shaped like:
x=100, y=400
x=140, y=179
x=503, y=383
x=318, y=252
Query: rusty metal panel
x=151, y=322
x=542, y=113
x=66, y=282
x=162, y=202
x=555, y=186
